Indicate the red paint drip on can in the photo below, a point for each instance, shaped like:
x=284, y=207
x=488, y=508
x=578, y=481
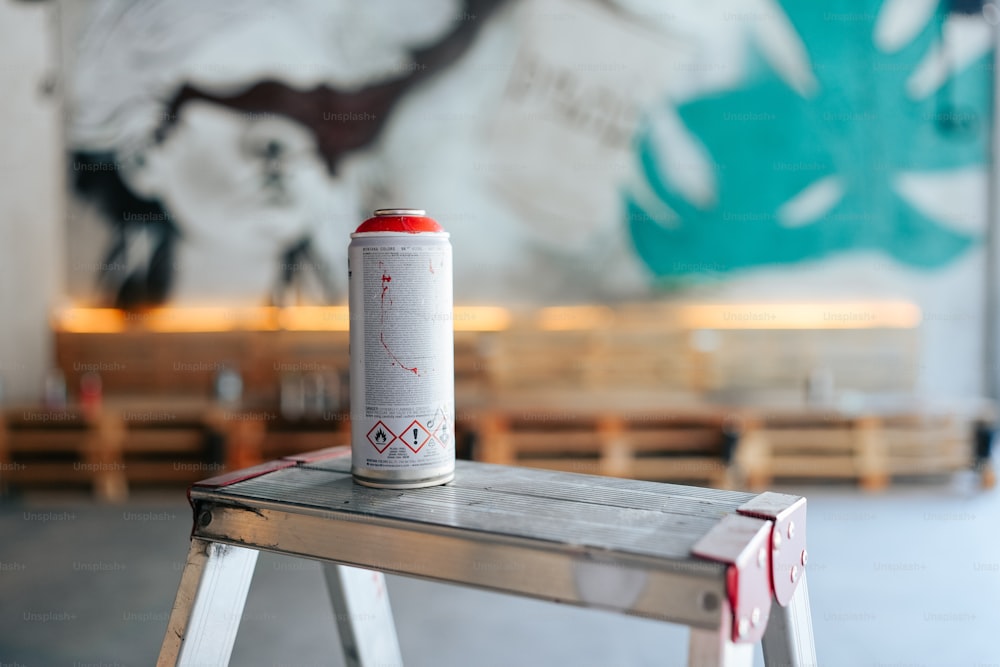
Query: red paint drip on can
x=402, y=351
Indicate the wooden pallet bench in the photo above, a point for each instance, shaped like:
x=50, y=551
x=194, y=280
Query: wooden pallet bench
x=111, y=447
x=871, y=449
x=613, y=437
x=60, y=447
x=167, y=441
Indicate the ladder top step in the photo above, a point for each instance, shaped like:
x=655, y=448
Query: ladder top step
x=663, y=551
x=562, y=509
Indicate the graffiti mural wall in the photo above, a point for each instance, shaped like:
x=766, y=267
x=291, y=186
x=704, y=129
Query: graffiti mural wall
x=576, y=149
x=866, y=143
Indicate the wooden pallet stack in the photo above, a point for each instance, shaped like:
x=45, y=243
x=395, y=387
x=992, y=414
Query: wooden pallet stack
x=60, y=447
x=870, y=449
x=811, y=444
x=166, y=441
x=601, y=390
x=168, y=364
x=622, y=390
x=558, y=378
x=625, y=441
x=255, y=436
x=592, y=348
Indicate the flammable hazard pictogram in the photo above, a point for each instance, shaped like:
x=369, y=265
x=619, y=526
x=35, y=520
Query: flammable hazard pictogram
x=381, y=437
x=442, y=429
x=415, y=436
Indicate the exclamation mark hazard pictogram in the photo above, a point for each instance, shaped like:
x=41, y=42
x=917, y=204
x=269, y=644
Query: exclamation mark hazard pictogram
x=416, y=436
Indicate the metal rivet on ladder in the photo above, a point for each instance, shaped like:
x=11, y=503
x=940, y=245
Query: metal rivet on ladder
x=204, y=518
x=709, y=601
x=776, y=540
x=743, y=627
x=791, y=529
x=795, y=573
x=805, y=558
x=755, y=616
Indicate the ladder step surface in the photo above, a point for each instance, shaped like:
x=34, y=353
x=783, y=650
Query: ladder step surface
x=628, y=516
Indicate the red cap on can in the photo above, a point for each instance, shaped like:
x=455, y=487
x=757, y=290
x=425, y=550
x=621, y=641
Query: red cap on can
x=399, y=220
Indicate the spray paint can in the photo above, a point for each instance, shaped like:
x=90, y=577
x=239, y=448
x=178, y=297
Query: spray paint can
x=402, y=351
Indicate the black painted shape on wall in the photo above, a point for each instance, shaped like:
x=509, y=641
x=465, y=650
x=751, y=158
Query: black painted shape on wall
x=131, y=282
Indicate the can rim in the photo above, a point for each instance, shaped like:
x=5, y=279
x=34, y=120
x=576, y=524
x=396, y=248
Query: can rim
x=415, y=212
x=384, y=233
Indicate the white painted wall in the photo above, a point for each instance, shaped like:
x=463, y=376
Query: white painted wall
x=32, y=195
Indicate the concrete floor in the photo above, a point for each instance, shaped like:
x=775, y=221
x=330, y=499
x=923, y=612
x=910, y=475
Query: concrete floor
x=909, y=577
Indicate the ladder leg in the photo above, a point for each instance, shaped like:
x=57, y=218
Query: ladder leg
x=209, y=605
x=788, y=640
x=364, y=617
x=716, y=648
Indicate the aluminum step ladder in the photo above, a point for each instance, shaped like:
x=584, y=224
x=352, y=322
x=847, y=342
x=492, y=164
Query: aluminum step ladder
x=729, y=565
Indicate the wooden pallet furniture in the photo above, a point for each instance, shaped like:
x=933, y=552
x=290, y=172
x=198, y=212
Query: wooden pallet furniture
x=114, y=446
x=731, y=566
x=810, y=444
x=673, y=358
x=167, y=441
x=593, y=348
x=922, y=444
x=152, y=364
x=60, y=447
x=869, y=448
x=255, y=435
x=640, y=438
x=743, y=363
x=696, y=350
x=676, y=357
x=160, y=365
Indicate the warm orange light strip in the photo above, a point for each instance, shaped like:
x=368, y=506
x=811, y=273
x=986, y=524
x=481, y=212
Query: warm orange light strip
x=336, y=318
x=574, y=318
x=192, y=319
x=481, y=318
x=89, y=320
x=208, y=319
x=205, y=319
x=315, y=318
x=839, y=315
x=834, y=315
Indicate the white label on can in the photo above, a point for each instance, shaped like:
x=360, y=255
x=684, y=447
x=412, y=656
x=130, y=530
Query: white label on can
x=405, y=298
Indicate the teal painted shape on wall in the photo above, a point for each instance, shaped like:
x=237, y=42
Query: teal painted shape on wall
x=856, y=133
